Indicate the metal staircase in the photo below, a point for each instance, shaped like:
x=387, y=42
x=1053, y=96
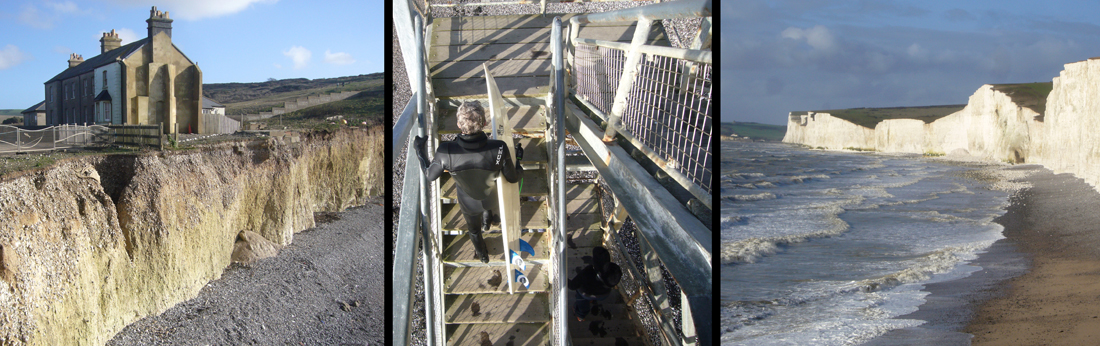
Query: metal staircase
x=469, y=302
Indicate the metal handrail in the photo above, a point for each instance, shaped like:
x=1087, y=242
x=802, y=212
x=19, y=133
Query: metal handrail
x=413, y=222
x=679, y=241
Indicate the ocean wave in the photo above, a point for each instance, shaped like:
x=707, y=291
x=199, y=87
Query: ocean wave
x=752, y=197
x=752, y=249
x=936, y=262
x=729, y=221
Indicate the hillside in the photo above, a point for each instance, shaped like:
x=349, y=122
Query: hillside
x=10, y=112
x=754, y=130
x=251, y=98
x=869, y=117
x=367, y=106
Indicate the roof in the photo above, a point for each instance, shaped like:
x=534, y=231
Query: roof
x=41, y=106
x=99, y=60
x=208, y=103
x=103, y=96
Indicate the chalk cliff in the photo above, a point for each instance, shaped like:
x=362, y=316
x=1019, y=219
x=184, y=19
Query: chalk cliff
x=94, y=243
x=992, y=126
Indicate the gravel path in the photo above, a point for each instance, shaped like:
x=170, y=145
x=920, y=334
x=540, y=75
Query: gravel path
x=326, y=288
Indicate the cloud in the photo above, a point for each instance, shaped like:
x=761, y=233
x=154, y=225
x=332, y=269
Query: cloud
x=817, y=37
x=340, y=58
x=11, y=56
x=197, y=9
x=299, y=55
x=36, y=19
x=64, y=7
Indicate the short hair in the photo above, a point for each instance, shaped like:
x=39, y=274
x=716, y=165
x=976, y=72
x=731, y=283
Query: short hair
x=471, y=117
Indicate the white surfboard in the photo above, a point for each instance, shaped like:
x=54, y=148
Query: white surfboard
x=507, y=193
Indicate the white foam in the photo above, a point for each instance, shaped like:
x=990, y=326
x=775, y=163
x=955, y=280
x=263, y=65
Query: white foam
x=751, y=197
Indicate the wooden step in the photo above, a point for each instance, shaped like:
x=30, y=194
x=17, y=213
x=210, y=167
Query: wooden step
x=522, y=86
x=483, y=52
x=584, y=238
x=619, y=341
x=498, y=308
x=473, y=35
x=516, y=334
x=460, y=250
x=534, y=184
x=470, y=280
x=582, y=220
x=603, y=329
x=473, y=69
x=523, y=120
x=508, y=22
x=532, y=215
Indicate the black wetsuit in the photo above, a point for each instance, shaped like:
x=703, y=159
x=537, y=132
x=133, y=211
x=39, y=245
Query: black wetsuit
x=474, y=162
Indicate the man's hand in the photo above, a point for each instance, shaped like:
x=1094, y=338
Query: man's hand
x=519, y=153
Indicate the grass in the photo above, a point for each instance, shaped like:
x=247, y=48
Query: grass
x=10, y=112
x=754, y=130
x=933, y=154
x=869, y=117
x=1030, y=95
x=252, y=98
x=859, y=149
x=366, y=106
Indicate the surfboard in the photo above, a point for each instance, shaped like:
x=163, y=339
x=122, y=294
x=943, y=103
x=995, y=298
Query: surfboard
x=507, y=193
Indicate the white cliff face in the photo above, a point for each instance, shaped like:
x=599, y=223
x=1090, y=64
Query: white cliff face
x=829, y=132
x=1073, y=122
x=991, y=127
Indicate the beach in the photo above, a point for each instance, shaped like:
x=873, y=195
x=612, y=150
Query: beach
x=1055, y=224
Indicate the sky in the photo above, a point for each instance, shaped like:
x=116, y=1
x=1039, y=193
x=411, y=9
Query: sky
x=799, y=55
x=230, y=40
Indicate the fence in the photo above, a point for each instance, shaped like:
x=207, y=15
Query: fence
x=658, y=98
x=19, y=140
x=219, y=123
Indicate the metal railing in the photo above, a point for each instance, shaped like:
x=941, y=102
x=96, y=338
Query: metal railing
x=20, y=140
x=556, y=177
x=415, y=218
x=657, y=98
x=542, y=3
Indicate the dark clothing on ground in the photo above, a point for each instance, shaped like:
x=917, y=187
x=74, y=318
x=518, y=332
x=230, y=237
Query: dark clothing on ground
x=587, y=283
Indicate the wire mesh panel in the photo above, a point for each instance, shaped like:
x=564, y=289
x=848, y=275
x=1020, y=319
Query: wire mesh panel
x=596, y=72
x=668, y=110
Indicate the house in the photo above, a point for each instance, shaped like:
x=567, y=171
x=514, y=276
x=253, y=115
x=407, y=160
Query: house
x=211, y=107
x=36, y=115
x=148, y=81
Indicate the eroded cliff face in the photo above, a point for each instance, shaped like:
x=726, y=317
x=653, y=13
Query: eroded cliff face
x=1073, y=123
x=991, y=127
x=95, y=243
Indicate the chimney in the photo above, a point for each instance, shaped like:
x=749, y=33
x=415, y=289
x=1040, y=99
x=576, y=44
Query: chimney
x=109, y=42
x=75, y=59
x=158, y=23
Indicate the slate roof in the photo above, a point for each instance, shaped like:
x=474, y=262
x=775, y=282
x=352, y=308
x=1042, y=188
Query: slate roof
x=99, y=60
x=41, y=106
x=103, y=96
x=208, y=103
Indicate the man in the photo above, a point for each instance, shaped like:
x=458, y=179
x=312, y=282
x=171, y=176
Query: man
x=594, y=282
x=474, y=161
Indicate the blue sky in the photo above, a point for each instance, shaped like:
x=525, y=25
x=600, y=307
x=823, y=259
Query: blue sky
x=231, y=40
x=796, y=55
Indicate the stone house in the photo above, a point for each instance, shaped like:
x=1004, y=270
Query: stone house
x=36, y=115
x=148, y=81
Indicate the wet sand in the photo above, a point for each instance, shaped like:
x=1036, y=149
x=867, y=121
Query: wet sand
x=1056, y=225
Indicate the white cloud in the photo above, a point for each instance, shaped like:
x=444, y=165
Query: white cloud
x=817, y=37
x=340, y=58
x=64, y=7
x=197, y=9
x=299, y=55
x=35, y=18
x=11, y=56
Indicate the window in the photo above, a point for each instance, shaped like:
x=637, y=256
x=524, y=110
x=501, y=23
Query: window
x=104, y=80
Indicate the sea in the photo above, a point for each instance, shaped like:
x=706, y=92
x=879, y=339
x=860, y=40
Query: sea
x=838, y=247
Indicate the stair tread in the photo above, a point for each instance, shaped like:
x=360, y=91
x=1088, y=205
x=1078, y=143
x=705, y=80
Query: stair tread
x=609, y=341
x=584, y=237
x=470, y=280
x=539, y=66
x=532, y=215
x=488, y=52
x=474, y=33
x=534, y=184
x=460, y=249
x=603, y=329
x=523, y=119
x=498, y=308
x=519, y=334
x=510, y=87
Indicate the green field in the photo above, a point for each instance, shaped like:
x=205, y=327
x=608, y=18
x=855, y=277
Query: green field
x=1030, y=95
x=869, y=117
x=754, y=130
x=10, y=112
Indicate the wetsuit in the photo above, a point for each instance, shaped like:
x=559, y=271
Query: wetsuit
x=474, y=162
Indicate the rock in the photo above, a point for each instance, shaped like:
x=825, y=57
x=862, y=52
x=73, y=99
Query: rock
x=251, y=247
